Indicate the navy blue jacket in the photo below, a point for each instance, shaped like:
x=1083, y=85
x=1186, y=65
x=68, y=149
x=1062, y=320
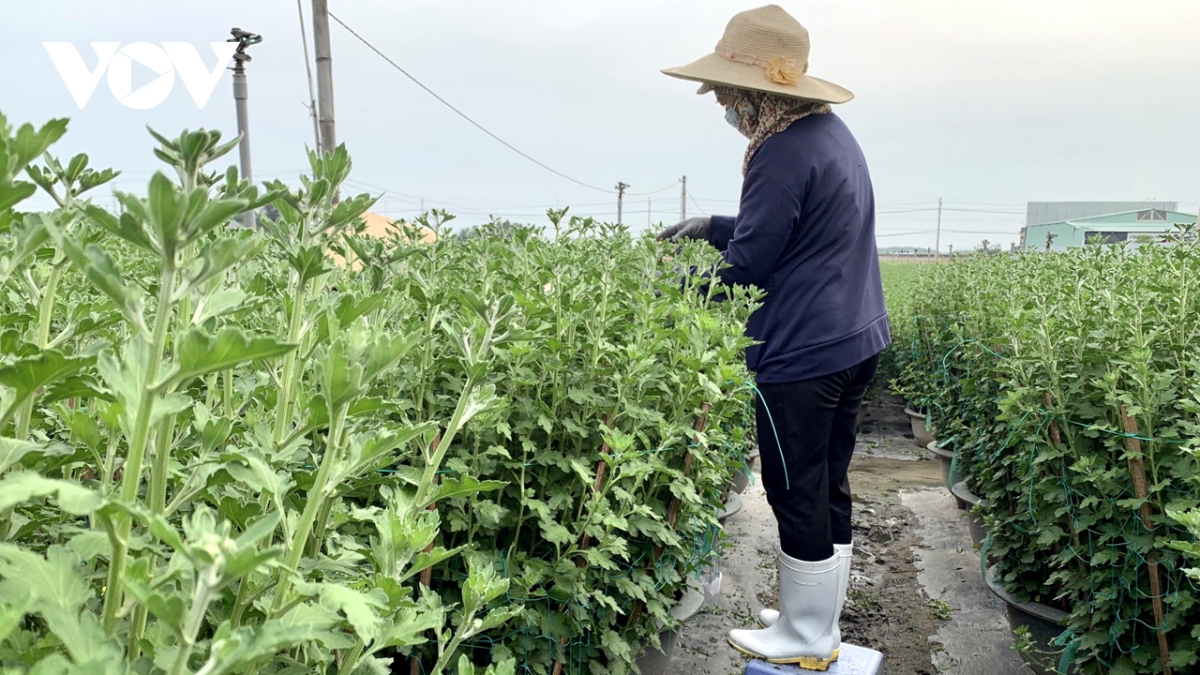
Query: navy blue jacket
x=805, y=233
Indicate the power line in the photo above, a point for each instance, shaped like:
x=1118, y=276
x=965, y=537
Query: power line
x=312, y=97
x=465, y=207
x=643, y=194
x=696, y=205
x=904, y=234
x=1009, y=213
x=888, y=213
x=460, y=113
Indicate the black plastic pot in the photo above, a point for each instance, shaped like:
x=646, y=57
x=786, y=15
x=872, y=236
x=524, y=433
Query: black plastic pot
x=974, y=520
x=946, y=457
x=921, y=434
x=1045, y=623
x=733, y=504
x=740, y=480
x=655, y=661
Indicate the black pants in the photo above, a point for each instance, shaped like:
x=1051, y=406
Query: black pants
x=805, y=479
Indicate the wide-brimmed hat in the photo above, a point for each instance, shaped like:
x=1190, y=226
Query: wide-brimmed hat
x=763, y=49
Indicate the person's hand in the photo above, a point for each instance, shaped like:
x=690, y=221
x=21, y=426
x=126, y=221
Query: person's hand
x=692, y=228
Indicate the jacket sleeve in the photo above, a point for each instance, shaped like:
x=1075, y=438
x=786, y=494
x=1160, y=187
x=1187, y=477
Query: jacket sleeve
x=720, y=231
x=752, y=243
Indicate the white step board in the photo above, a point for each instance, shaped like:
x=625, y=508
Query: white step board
x=852, y=661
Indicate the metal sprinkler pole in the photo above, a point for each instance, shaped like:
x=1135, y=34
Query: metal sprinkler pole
x=241, y=97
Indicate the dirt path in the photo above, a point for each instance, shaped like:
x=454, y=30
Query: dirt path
x=915, y=595
x=886, y=610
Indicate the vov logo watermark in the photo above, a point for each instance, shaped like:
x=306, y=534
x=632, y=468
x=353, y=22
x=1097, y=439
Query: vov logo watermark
x=166, y=61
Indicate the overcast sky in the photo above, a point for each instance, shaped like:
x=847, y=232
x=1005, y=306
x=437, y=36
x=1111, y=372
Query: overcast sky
x=987, y=105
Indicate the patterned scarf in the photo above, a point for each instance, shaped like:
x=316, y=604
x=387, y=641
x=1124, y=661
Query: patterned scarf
x=775, y=113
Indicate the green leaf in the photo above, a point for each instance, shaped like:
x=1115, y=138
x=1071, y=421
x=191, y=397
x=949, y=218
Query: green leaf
x=216, y=257
x=556, y=533
x=500, y=616
x=170, y=609
x=90, y=544
x=165, y=209
x=12, y=614
x=15, y=192
x=12, y=450
x=124, y=226
x=310, y=262
x=26, y=376
x=29, y=144
x=464, y=486
x=218, y=303
x=216, y=212
x=199, y=353
x=425, y=560
x=360, y=609
x=21, y=486
x=102, y=272
x=409, y=626
x=58, y=593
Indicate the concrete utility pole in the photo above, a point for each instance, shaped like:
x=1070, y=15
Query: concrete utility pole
x=649, y=212
x=937, y=246
x=241, y=96
x=324, y=74
x=621, y=188
x=312, y=97
x=683, y=201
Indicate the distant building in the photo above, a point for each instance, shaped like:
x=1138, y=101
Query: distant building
x=1111, y=228
x=1041, y=213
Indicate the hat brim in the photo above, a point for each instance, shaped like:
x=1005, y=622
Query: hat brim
x=713, y=69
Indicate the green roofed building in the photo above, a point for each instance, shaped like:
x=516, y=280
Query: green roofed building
x=1144, y=225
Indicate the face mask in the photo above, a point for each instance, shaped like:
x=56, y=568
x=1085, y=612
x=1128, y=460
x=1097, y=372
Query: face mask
x=737, y=112
x=732, y=116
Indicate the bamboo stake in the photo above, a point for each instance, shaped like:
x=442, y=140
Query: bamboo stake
x=586, y=539
x=1056, y=437
x=1137, y=469
x=414, y=664
x=673, y=509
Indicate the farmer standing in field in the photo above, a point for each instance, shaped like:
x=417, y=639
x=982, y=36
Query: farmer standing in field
x=805, y=233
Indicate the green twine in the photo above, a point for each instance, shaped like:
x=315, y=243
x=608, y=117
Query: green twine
x=778, y=444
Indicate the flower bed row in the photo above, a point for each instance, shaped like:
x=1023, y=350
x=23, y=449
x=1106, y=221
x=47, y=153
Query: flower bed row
x=1068, y=388
x=222, y=453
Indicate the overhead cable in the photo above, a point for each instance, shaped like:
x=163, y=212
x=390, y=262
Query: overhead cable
x=463, y=115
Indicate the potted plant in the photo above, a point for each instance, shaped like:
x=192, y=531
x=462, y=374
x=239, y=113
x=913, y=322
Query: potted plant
x=1037, y=626
x=974, y=505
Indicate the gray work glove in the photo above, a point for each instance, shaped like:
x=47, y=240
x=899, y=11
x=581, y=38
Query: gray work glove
x=692, y=228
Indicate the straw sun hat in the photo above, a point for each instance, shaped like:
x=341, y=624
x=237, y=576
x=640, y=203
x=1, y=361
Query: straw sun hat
x=763, y=49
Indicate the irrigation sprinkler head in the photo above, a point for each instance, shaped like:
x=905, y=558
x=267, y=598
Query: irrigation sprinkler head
x=244, y=40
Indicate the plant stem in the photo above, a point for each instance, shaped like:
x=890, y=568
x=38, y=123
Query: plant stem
x=191, y=625
x=316, y=498
x=228, y=378
x=431, y=469
x=284, y=407
x=240, y=601
x=45, y=314
x=353, y=656
x=131, y=478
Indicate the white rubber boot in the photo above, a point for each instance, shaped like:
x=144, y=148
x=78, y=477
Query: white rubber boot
x=808, y=605
x=766, y=617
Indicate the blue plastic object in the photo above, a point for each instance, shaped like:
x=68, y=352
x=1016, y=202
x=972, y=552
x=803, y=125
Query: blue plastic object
x=852, y=661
